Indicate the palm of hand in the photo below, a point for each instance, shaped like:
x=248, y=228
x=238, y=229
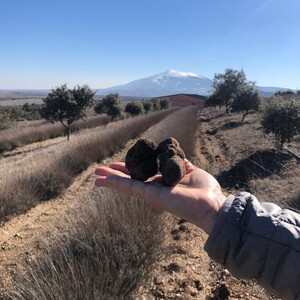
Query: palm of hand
x=197, y=198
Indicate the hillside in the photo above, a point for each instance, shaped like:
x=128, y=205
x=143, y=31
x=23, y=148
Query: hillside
x=172, y=82
x=238, y=154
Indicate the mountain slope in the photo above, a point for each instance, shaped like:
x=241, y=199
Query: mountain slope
x=166, y=83
x=172, y=82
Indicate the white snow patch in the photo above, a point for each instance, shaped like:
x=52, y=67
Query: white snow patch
x=173, y=73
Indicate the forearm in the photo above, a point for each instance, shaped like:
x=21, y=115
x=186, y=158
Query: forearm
x=258, y=240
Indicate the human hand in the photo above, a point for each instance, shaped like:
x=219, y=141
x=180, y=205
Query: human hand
x=197, y=198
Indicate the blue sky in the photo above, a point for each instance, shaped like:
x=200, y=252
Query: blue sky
x=45, y=43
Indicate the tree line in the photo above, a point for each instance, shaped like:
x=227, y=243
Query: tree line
x=279, y=116
x=232, y=89
x=11, y=114
x=113, y=107
x=69, y=105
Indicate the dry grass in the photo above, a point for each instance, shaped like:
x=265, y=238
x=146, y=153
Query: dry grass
x=182, y=126
x=27, y=132
x=51, y=172
x=111, y=243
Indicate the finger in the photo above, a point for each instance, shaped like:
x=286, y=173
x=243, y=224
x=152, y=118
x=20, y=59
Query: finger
x=121, y=183
x=106, y=171
x=189, y=167
x=185, y=180
x=155, y=179
x=146, y=191
x=119, y=166
x=101, y=181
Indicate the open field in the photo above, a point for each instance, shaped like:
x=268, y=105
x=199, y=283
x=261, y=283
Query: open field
x=29, y=186
x=89, y=243
x=21, y=101
x=28, y=132
x=69, y=208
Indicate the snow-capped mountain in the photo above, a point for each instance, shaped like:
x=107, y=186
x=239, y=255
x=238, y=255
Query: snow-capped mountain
x=166, y=83
x=171, y=82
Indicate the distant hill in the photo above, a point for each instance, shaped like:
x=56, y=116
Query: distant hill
x=169, y=82
x=21, y=93
x=172, y=82
x=166, y=83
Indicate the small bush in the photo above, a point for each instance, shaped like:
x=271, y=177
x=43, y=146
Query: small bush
x=134, y=108
x=164, y=103
x=282, y=118
x=5, y=121
x=147, y=106
x=110, y=105
x=247, y=100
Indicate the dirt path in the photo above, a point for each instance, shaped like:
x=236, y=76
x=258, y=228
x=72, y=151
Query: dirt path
x=215, y=153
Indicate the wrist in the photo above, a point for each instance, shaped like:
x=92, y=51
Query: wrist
x=216, y=206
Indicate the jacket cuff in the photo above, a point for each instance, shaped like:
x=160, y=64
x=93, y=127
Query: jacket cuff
x=258, y=240
x=212, y=245
x=242, y=235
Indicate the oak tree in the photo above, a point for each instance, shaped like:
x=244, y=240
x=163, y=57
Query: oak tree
x=110, y=105
x=282, y=118
x=246, y=100
x=67, y=106
x=228, y=84
x=134, y=108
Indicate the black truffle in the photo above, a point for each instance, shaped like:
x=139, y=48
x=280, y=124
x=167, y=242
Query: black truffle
x=173, y=171
x=141, y=160
x=171, y=161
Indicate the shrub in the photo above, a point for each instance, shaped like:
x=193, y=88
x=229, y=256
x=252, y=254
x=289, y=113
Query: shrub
x=282, y=118
x=147, y=106
x=134, y=108
x=5, y=121
x=228, y=84
x=247, y=99
x=155, y=104
x=110, y=105
x=214, y=100
x=164, y=103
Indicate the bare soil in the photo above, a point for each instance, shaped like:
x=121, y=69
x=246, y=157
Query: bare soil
x=186, y=272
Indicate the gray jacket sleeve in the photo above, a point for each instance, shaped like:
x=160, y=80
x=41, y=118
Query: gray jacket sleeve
x=258, y=240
